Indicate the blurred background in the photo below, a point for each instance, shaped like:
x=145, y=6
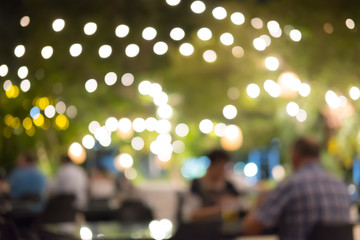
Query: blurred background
x=141, y=90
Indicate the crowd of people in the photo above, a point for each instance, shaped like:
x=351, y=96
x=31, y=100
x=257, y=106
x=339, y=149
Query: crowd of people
x=308, y=197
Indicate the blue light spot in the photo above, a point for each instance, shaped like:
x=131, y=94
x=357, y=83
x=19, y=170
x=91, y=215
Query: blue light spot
x=35, y=112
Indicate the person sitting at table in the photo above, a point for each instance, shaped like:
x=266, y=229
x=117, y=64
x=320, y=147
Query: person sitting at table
x=310, y=196
x=212, y=190
x=27, y=183
x=71, y=179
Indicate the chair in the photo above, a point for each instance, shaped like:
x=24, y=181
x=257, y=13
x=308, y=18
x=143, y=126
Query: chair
x=133, y=211
x=59, y=209
x=332, y=232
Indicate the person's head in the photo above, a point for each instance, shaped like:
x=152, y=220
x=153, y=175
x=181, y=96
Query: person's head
x=218, y=160
x=26, y=159
x=65, y=159
x=304, y=150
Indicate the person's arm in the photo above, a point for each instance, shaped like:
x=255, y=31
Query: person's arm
x=268, y=210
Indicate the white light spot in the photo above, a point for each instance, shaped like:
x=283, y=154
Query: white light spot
x=292, y=109
x=88, y=141
x=204, y=34
x=105, y=51
x=132, y=50
x=220, y=129
x=47, y=52
x=272, y=88
x=332, y=99
x=186, y=49
x=257, y=23
x=19, y=51
x=145, y=87
x=350, y=23
x=259, y=44
x=250, y=170
x=295, y=35
x=210, y=56
x=149, y=33
x=60, y=107
x=125, y=160
x=301, y=116
x=182, y=130
x=25, y=85
x=90, y=28
x=124, y=125
x=150, y=124
x=227, y=39
x=237, y=52
x=173, y=2
x=237, y=18
x=25, y=21
x=71, y=111
x=165, y=111
x=177, y=34
x=160, y=48
x=139, y=125
x=111, y=124
x=127, y=79
x=85, y=233
x=253, y=90
x=206, y=126
x=7, y=85
x=272, y=63
x=93, y=126
x=354, y=93
x=219, y=13
x=163, y=126
x=198, y=7
x=4, y=70
x=229, y=112
x=91, y=85
x=304, y=89
x=122, y=31
x=58, y=25
x=110, y=78
x=179, y=146
x=75, y=49
x=23, y=72
x=137, y=143
x=50, y=111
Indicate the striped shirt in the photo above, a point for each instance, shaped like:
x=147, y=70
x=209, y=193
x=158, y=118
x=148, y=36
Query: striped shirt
x=309, y=197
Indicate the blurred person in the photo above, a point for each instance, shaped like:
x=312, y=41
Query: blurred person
x=102, y=184
x=71, y=179
x=212, y=191
x=310, y=196
x=27, y=182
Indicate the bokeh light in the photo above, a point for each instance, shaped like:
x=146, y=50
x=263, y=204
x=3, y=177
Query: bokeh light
x=354, y=93
x=227, y=39
x=75, y=49
x=292, y=109
x=253, y=90
x=88, y=141
x=177, y=34
x=237, y=18
x=257, y=23
x=137, y=143
x=206, y=126
x=50, y=111
x=23, y=72
x=198, y=7
x=132, y=50
x=210, y=56
x=139, y=125
x=19, y=51
x=105, y=51
x=25, y=85
x=91, y=85
x=149, y=33
x=272, y=63
x=182, y=130
x=295, y=35
x=124, y=161
x=110, y=78
x=127, y=79
x=237, y=52
x=4, y=70
x=47, y=52
x=350, y=23
x=229, y=111
x=173, y=2
x=122, y=31
x=25, y=21
x=186, y=49
x=58, y=25
x=250, y=170
x=77, y=153
x=232, y=139
x=259, y=44
x=220, y=129
x=90, y=28
x=204, y=34
x=301, y=116
x=160, y=48
x=219, y=13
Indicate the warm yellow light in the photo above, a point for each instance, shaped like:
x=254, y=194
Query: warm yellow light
x=77, y=153
x=233, y=138
x=39, y=121
x=43, y=103
x=62, y=122
x=27, y=123
x=30, y=132
x=13, y=92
